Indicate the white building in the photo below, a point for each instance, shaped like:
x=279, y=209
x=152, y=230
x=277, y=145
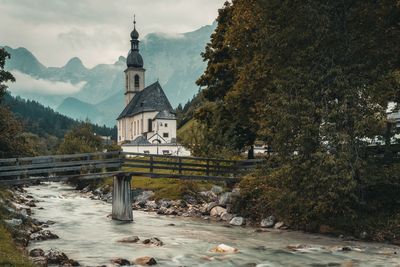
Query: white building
x=148, y=121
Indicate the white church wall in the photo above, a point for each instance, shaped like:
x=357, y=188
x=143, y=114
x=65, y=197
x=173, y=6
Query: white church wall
x=160, y=149
x=166, y=129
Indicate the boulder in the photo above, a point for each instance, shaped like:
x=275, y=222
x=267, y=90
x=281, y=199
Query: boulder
x=43, y=235
x=39, y=261
x=268, y=222
x=208, y=196
x=144, y=196
x=190, y=199
x=210, y=206
x=153, y=241
x=222, y=248
x=225, y=216
x=165, y=211
x=121, y=262
x=217, y=211
x=71, y=262
x=36, y=252
x=144, y=261
x=237, y=221
x=279, y=225
x=164, y=203
x=13, y=222
x=152, y=205
x=217, y=189
x=131, y=239
x=54, y=256
x=224, y=199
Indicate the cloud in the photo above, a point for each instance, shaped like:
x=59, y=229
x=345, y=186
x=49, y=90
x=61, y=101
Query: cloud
x=97, y=31
x=28, y=84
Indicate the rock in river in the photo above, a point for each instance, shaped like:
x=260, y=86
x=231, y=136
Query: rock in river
x=131, y=239
x=43, y=235
x=268, y=222
x=237, y=221
x=222, y=248
x=153, y=241
x=145, y=261
x=217, y=211
x=121, y=262
x=225, y=216
x=279, y=225
x=36, y=252
x=54, y=256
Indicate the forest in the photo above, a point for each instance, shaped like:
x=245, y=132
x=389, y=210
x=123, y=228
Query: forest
x=27, y=128
x=313, y=81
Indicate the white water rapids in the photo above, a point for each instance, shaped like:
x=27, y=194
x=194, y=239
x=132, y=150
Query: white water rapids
x=88, y=236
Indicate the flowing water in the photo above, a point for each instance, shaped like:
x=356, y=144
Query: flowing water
x=90, y=237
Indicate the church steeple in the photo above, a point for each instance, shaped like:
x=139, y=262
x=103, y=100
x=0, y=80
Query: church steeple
x=134, y=58
x=134, y=74
x=134, y=36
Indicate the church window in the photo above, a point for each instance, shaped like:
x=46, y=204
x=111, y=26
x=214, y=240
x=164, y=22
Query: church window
x=137, y=81
x=150, y=125
x=165, y=135
x=166, y=124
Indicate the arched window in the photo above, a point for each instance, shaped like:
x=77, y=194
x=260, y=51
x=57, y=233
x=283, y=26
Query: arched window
x=137, y=81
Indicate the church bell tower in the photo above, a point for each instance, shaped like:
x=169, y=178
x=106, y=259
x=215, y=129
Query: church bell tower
x=135, y=73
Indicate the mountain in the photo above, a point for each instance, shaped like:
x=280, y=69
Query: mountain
x=78, y=109
x=97, y=93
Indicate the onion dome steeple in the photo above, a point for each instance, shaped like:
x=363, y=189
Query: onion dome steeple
x=134, y=59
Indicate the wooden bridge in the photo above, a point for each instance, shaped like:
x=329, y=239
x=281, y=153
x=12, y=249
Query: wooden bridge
x=121, y=166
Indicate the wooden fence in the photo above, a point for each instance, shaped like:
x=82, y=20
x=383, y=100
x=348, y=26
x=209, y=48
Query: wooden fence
x=98, y=165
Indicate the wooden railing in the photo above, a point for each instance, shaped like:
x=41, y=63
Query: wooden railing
x=98, y=165
x=59, y=167
x=160, y=166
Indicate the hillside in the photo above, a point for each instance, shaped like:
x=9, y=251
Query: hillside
x=173, y=60
x=44, y=121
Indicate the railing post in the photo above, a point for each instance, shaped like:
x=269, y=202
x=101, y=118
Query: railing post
x=151, y=163
x=180, y=165
x=17, y=164
x=208, y=168
x=121, y=198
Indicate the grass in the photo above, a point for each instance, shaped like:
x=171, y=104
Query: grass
x=166, y=188
x=10, y=255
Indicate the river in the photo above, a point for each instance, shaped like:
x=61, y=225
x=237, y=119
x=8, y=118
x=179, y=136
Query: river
x=88, y=235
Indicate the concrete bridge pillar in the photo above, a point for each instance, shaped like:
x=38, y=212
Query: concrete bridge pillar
x=121, y=199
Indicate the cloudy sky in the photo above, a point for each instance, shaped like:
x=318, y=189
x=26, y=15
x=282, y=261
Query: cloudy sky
x=97, y=31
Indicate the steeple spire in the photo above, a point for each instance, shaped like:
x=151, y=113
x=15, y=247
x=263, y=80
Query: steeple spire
x=134, y=58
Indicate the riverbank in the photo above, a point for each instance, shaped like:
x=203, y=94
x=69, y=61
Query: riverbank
x=215, y=204
x=18, y=229
x=188, y=238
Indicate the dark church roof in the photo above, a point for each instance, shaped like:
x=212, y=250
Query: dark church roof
x=134, y=59
x=165, y=115
x=151, y=98
x=140, y=140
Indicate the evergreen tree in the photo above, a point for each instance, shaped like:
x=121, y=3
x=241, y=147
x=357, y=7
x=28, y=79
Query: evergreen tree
x=12, y=143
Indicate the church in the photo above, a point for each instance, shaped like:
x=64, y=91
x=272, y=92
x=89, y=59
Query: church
x=147, y=123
